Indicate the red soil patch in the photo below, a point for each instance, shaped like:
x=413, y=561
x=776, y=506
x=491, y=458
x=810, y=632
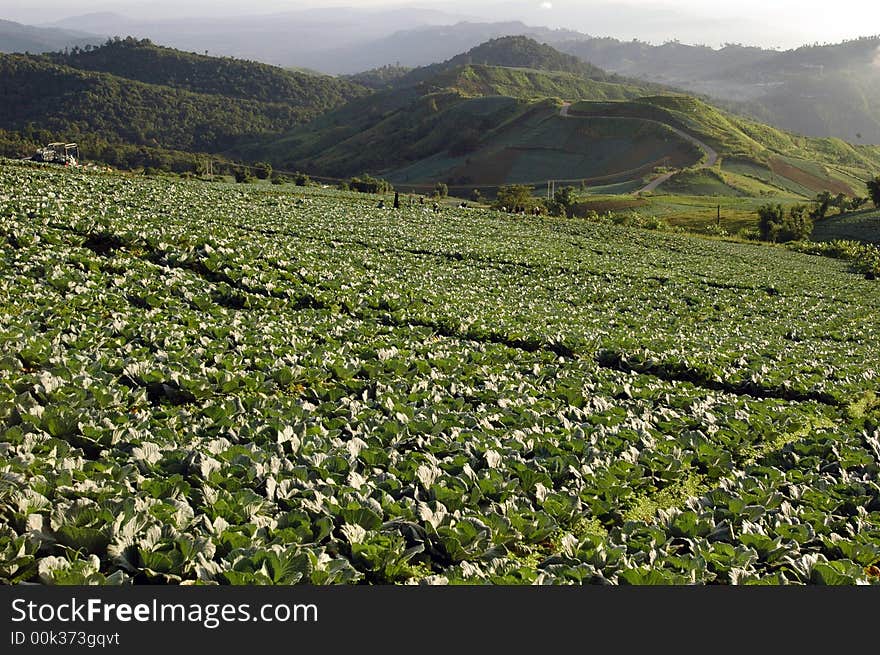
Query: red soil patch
x=808, y=180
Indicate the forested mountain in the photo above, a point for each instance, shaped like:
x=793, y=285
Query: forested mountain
x=168, y=100
x=430, y=108
x=144, y=61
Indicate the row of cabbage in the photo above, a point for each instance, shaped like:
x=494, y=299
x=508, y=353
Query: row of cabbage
x=201, y=384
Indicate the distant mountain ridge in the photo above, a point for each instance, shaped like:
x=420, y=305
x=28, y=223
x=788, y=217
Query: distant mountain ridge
x=133, y=93
x=147, y=62
x=493, y=115
x=15, y=37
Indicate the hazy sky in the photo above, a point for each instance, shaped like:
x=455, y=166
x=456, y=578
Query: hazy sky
x=784, y=23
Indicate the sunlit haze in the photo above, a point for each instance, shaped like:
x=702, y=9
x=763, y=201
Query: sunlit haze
x=785, y=23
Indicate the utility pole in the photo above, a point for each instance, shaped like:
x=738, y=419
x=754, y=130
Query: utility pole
x=718, y=221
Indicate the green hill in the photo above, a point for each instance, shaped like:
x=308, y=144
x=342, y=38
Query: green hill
x=796, y=164
x=854, y=226
x=449, y=112
x=521, y=52
x=485, y=80
x=144, y=61
x=478, y=125
x=817, y=90
x=162, y=99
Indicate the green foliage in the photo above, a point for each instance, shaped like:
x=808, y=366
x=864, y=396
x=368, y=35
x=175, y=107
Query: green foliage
x=245, y=385
x=778, y=226
x=563, y=201
x=821, y=204
x=516, y=198
x=243, y=175
x=132, y=104
x=262, y=170
x=229, y=77
x=441, y=190
x=865, y=257
x=379, y=78
x=874, y=190
x=368, y=184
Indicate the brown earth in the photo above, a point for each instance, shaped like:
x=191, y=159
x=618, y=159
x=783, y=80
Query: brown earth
x=808, y=180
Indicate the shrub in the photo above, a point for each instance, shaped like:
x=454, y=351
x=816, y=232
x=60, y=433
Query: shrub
x=778, y=227
x=368, y=184
x=874, y=190
x=516, y=198
x=716, y=230
x=263, y=170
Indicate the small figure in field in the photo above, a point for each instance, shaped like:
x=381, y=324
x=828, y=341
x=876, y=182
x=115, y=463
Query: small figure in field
x=421, y=200
x=436, y=207
x=396, y=200
x=381, y=205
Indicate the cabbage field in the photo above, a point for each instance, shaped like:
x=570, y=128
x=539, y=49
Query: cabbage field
x=249, y=384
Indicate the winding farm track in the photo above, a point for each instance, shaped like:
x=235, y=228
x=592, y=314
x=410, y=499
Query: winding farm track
x=710, y=152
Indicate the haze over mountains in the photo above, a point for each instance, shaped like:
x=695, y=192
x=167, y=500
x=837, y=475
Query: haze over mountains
x=831, y=90
x=490, y=116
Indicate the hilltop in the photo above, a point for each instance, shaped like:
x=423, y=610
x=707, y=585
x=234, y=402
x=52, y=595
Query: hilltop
x=513, y=52
x=452, y=107
x=829, y=90
x=494, y=115
x=133, y=93
x=144, y=61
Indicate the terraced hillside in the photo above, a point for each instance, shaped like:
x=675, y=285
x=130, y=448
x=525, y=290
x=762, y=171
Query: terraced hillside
x=243, y=384
x=752, y=153
x=497, y=115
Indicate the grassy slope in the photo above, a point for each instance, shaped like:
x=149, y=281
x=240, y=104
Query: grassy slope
x=788, y=162
x=460, y=110
x=856, y=226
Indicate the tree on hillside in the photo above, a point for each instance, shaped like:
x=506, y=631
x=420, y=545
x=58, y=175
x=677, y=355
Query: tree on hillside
x=515, y=198
x=822, y=203
x=777, y=226
x=841, y=202
x=563, y=202
x=858, y=203
x=263, y=170
x=874, y=190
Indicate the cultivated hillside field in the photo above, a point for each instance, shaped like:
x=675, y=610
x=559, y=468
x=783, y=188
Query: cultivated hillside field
x=245, y=384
